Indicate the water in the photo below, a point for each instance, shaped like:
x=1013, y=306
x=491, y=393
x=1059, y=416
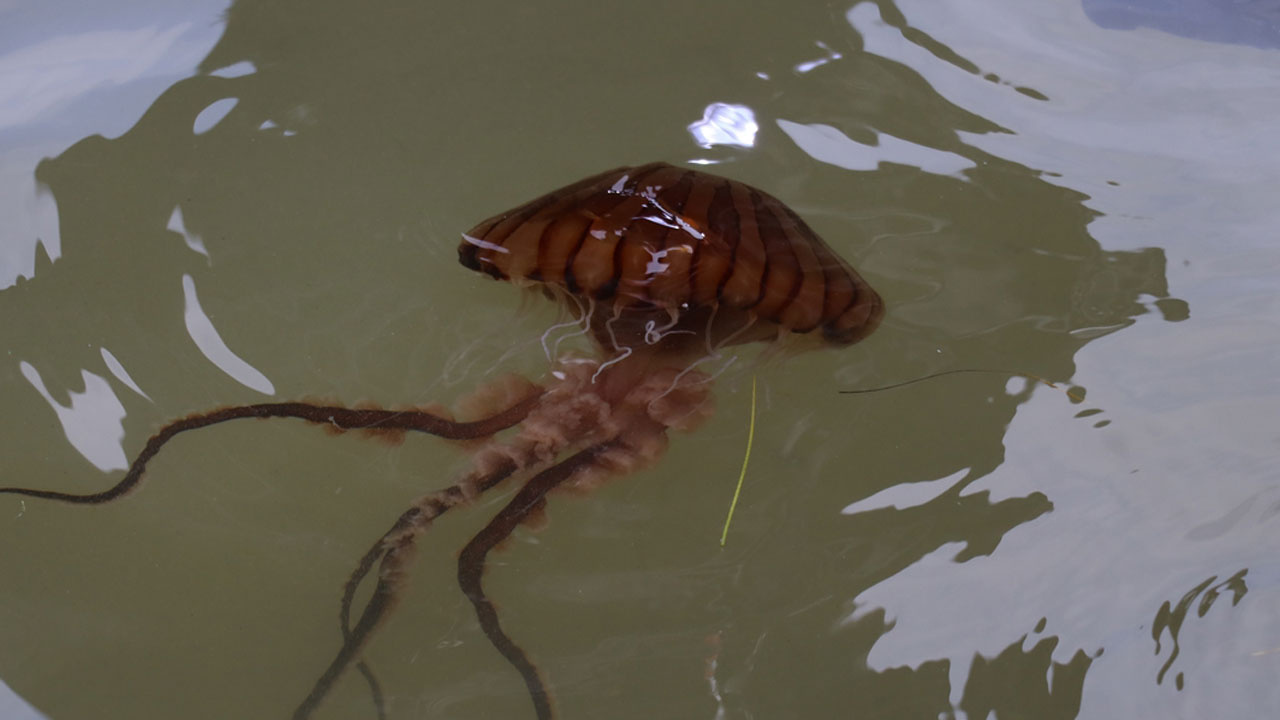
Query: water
x=1031, y=187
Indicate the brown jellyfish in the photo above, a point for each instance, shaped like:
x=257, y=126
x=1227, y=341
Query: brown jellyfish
x=662, y=267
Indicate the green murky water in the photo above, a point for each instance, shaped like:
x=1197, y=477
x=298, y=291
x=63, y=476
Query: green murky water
x=1030, y=188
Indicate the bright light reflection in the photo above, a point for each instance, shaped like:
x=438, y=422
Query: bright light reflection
x=901, y=497
x=827, y=144
x=240, y=69
x=805, y=67
x=193, y=241
x=121, y=374
x=725, y=124
x=91, y=422
x=213, y=114
x=206, y=337
x=36, y=78
x=30, y=218
x=13, y=707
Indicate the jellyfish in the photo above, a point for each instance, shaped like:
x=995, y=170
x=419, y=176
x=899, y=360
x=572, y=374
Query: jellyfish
x=663, y=268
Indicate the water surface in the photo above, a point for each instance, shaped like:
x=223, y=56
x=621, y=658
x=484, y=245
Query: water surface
x=233, y=204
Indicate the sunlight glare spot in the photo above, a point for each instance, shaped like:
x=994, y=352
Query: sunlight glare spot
x=725, y=124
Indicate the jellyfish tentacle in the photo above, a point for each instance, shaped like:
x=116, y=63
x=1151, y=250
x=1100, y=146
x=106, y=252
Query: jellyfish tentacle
x=391, y=553
x=385, y=594
x=348, y=596
x=563, y=417
x=638, y=439
x=375, y=689
x=654, y=333
x=624, y=351
x=713, y=353
x=587, y=313
x=416, y=519
x=530, y=499
x=407, y=522
x=373, y=555
x=343, y=418
x=579, y=321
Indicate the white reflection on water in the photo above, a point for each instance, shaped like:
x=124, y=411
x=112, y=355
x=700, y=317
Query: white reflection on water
x=13, y=707
x=91, y=422
x=827, y=144
x=42, y=76
x=52, y=94
x=30, y=218
x=725, y=124
x=240, y=69
x=805, y=67
x=193, y=241
x=206, y=337
x=1120, y=104
x=905, y=496
x=121, y=374
x=213, y=114
x=1174, y=142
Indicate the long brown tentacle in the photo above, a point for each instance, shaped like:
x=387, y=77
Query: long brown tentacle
x=375, y=689
x=340, y=417
x=392, y=552
x=530, y=499
x=385, y=594
x=373, y=555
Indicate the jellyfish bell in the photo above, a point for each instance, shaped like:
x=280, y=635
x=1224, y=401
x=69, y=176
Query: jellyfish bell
x=665, y=264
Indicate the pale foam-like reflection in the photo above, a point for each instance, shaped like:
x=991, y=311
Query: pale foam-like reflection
x=1100, y=565
x=809, y=65
x=63, y=76
x=827, y=144
x=725, y=124
x=193, y=241
x=30, y=218
x=901, y=497
x=206, y=337
x=1230, y=21
x=40, y=77
x=213, y=114
x=1120, y=104
x=240, y=69
x=1174, y=141
x=13, y=707
x=117, y=369
x=92, y=422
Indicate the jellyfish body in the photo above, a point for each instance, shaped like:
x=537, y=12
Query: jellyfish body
x=657, y=246
x=660, y=265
